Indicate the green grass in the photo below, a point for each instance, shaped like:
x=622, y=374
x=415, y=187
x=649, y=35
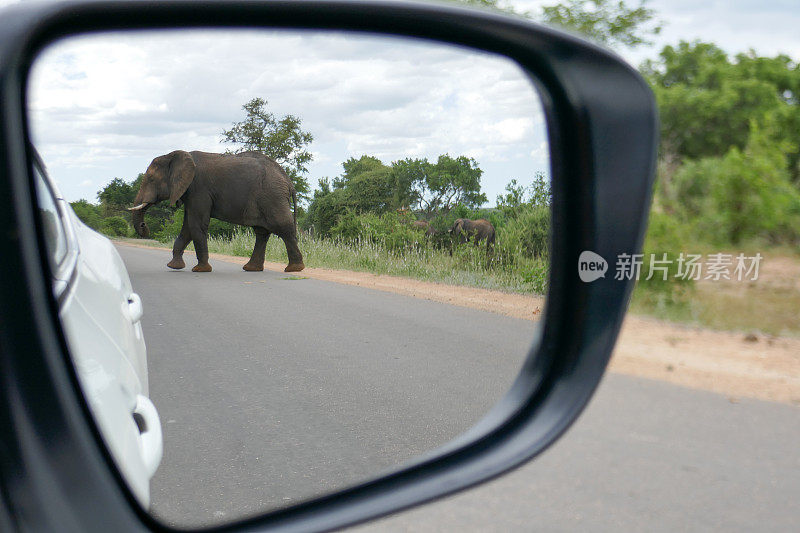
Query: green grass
x=730, y=306
x=467, y=266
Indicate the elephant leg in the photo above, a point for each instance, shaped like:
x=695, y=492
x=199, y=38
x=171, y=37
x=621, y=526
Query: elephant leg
x=184, y=237
x=289, y=236
x=199, y=232
x=256, y=262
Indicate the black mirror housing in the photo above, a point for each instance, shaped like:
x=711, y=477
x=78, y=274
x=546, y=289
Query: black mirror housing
x=602, y=126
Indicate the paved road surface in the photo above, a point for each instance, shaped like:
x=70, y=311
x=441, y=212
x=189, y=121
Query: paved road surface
x=644, y=456
x=272, y=390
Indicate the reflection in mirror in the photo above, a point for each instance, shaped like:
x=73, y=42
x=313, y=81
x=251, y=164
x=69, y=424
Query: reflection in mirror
x=337, y=247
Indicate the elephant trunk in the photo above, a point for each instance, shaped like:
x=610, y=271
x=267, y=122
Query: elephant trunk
x=137, y=219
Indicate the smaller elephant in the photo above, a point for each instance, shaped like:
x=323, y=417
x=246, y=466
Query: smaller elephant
x=429, y=230
x=421, y=225
x=464, y=229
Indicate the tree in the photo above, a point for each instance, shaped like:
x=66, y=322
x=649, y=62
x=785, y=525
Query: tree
x=514, y=196
x=325, y=208
x=281, y=139
x=610, y=22
x=441, y=185
x=369, y=186
x=708, y=103
x=365, y=186
x=353, y=167
x=119, y=193
x=492, y=4
x=538, y=193
x=371, y=191
x=410, y=179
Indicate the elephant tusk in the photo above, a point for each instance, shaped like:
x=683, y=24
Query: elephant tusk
x=138, y=207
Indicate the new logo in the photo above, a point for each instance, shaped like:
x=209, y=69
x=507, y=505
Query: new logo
x=591, y=266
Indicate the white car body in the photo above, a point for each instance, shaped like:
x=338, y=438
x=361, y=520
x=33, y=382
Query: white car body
x=101, y=319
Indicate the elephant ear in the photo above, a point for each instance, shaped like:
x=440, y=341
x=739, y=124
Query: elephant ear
x=181, y=174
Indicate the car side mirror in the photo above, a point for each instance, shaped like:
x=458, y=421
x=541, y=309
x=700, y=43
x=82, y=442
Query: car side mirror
x=602, y=131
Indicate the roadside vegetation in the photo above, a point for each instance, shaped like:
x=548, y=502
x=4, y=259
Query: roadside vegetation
x=465, y=267
x=728, y=182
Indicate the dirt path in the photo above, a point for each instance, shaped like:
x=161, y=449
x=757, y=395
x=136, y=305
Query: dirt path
x=728, y=363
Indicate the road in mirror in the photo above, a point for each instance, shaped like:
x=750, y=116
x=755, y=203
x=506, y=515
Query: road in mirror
x=285, y=364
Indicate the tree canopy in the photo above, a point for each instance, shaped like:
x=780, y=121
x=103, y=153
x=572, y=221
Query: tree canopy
x=729, y=155
x=119, y=193
x=439, y=186
x=708, y=102
x=538, y=193
x=610, y=22
x=281, y=139
x=366, y=185
x=369, y=185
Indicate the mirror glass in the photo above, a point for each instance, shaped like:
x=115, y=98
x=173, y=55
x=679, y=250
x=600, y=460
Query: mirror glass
x=304, y=258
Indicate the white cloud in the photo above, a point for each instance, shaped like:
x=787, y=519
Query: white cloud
x=540, y=151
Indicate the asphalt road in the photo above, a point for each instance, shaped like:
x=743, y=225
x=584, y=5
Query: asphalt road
x=272, y=390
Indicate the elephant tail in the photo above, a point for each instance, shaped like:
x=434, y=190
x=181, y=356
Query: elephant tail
x=294, y=209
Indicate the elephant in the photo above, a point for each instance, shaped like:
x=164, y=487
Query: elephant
x=464, y=229
x=430, y=231
x=249, y=189
x=421, y=225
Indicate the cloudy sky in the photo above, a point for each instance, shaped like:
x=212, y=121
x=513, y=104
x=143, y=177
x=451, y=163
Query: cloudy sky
x=104, y=106
x=768, y=26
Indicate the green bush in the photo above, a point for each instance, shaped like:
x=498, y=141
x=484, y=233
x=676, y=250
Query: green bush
x=665, y=240
x=168, y=230
x=535, y=274
x=528, y=233
x=221, y=229
x=351, y=226
x=324, y=211
x=391, y=230
x=88, y=213
x=115, y=226
x=158, y=216
x=741, y=196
